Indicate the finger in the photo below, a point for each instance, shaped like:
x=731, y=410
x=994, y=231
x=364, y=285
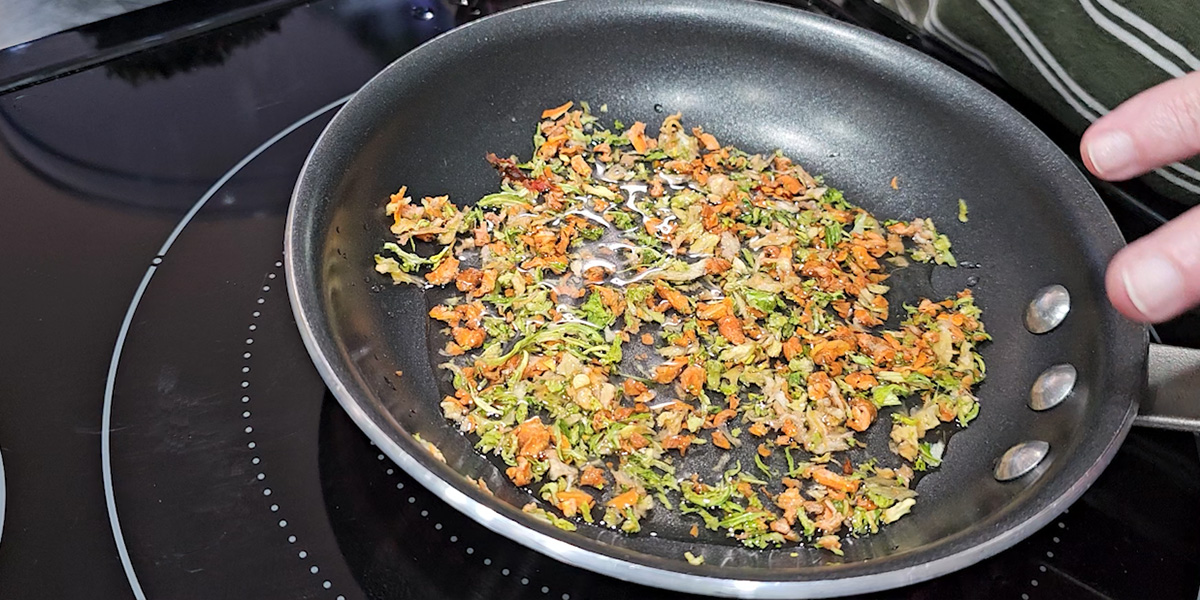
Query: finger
x=1157, y=277
x=1154, y=128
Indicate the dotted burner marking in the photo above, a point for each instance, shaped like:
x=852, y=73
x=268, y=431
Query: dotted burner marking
x=390, y=470
x=110, y=502
x=247, y=414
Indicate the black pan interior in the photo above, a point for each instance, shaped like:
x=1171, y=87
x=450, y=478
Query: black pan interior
x=841, y=101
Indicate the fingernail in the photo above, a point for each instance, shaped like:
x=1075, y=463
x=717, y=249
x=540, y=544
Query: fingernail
x=1155, y=286
x=1112, y=154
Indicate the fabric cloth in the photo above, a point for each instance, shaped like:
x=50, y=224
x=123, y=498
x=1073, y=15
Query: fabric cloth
x=1078, y=59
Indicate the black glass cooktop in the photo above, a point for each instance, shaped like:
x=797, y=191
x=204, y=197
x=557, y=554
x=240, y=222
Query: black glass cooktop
x=162, y=431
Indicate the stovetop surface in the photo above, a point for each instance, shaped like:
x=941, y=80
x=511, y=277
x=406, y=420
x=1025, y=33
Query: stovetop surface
x=162, y=430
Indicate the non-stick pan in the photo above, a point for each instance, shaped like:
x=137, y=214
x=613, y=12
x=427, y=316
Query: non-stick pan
x=841, y=101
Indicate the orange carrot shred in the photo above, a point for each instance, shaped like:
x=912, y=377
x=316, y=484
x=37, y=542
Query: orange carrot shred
x=580, y=166
x=625, y=500
x=554, y=113
x=637, y=137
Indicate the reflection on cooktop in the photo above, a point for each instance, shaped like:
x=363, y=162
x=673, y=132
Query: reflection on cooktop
x=28, y=20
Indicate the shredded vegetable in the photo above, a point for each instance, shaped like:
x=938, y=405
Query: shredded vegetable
x=626, y=298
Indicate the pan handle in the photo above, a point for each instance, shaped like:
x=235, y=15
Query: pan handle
x=1174, y=398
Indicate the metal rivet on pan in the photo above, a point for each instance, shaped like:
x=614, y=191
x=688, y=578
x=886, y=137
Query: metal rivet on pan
x=1020, y=459
x=1052, y=387
x=1048, y=309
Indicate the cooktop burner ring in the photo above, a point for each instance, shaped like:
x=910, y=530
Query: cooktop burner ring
x=246, y=415
x=454, y=538
x=155, y=263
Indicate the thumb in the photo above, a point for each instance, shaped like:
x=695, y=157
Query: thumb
x=1157, y=277
x=1156, y=127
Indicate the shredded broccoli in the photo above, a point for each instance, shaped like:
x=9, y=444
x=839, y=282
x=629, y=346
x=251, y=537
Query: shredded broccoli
x=627, y=297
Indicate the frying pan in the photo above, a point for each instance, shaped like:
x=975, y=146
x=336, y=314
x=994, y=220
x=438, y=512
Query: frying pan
x=841, y=101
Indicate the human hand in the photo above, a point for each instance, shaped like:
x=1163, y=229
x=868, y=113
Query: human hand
x=1156, y=277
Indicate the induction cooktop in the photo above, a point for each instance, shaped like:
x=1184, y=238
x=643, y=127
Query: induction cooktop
x=163, y=433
